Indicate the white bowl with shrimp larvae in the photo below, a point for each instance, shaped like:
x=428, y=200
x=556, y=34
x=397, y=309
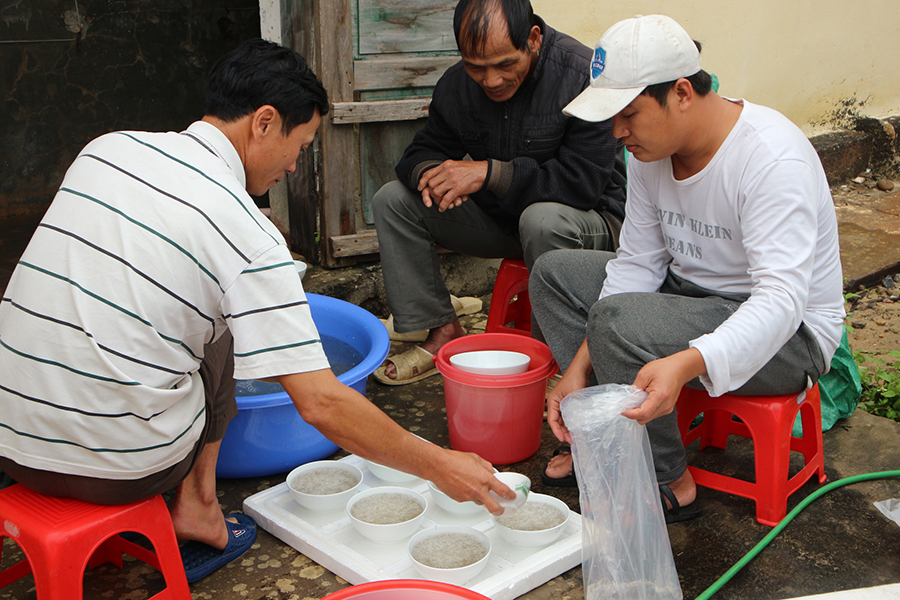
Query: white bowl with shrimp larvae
x=449, y=553
x=387, y=514
x=538, y=522
x=324, y=485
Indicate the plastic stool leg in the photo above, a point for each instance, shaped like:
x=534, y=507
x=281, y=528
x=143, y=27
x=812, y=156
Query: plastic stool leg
x=13, y=572
x=811, y=442
x=771, y=449
x=511, y=282
x=107, y=552
x=717, y=428
x=167, y=556
x=684, y=415
x=156, y=526
x=58, y=574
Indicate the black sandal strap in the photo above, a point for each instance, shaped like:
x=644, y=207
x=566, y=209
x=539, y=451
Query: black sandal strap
x=666, y=493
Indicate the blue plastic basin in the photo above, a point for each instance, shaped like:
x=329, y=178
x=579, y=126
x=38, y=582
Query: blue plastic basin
x=268, y=435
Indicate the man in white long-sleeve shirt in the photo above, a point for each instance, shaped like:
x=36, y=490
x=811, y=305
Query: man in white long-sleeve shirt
x=728, y=275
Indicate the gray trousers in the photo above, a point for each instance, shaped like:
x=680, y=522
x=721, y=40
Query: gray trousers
x=408, y=233
x=626, y=331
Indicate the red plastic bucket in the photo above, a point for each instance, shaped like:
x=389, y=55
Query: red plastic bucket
x=405, y=589
x=498, y=417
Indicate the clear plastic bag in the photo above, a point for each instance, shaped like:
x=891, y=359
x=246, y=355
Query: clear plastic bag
x=625, y=545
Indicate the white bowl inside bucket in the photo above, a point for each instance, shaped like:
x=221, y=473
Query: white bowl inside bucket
x=491, y=362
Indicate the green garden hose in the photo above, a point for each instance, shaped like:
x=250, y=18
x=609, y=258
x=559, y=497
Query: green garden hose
x=715, y=587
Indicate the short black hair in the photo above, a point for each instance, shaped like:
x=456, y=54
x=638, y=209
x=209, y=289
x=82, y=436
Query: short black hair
x=259, y=72
x=701, y=81
x=478, y=16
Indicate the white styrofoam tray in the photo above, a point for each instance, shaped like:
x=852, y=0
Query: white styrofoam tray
x=329, y=539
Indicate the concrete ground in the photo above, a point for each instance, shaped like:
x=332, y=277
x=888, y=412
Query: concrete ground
x=840, y=542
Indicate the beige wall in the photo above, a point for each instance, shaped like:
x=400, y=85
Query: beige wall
x=813, y=60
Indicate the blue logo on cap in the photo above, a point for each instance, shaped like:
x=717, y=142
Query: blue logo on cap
x=599, y=62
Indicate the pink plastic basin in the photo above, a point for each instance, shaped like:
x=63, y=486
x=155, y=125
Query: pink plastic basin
x=498, y=417
x=405, y=589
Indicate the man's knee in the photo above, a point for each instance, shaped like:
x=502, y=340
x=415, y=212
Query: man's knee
x=547, y=265
x=390, y=197
x=543, y=221
x=546, y=226
x=617, y=338
x=614, y=316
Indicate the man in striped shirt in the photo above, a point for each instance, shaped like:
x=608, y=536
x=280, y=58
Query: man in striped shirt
x=151, y=283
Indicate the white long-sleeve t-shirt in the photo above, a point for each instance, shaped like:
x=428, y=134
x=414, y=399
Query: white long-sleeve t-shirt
x=759, y=219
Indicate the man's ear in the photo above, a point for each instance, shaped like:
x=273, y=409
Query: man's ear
x=683, y=93
x=266, y=120
x=534, y=38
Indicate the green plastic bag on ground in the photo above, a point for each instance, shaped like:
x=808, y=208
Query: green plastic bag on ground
x=840, y=388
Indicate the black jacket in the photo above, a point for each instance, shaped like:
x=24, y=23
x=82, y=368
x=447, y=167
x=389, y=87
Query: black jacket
x=538, y=154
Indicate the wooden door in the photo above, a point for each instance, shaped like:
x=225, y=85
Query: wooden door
x=379, y=61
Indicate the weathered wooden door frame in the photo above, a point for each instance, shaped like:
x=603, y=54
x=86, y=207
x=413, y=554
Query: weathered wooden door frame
x=324, y=192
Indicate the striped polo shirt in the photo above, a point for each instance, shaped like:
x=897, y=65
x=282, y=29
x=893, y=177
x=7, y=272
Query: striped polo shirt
x=150, y=249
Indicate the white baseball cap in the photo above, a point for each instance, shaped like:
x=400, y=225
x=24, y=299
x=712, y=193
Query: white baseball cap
x=631, y=55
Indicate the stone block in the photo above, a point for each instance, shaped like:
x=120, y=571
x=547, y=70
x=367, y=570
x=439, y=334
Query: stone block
x=895, y=123
x=883, y=161
x=844, y=154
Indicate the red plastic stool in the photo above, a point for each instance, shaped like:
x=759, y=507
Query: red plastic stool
x=60, y=537
x=510, y=307
x=768, y=421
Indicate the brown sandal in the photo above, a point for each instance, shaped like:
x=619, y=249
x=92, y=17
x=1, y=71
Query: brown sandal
x=412, y=365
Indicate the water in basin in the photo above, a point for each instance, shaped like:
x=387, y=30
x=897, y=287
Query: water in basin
x=341, y=355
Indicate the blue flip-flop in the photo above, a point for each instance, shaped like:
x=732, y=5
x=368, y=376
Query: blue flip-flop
x=202, y=559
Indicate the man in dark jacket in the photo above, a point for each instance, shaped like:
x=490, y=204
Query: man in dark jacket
x=537, y=179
